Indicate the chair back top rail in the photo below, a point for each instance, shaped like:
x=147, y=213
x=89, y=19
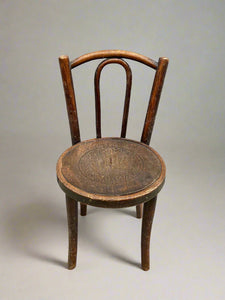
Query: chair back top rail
x=112, y=56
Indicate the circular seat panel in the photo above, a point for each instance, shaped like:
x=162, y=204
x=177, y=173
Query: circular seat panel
x=110, y=167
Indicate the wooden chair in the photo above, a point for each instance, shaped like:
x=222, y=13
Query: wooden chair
x=111, y=172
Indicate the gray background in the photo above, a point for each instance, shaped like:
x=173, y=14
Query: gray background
x=188, y=244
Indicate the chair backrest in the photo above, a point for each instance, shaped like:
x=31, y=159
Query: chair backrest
x=112, y=57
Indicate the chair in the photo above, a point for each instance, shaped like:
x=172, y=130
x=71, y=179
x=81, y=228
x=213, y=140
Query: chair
x=111, y=172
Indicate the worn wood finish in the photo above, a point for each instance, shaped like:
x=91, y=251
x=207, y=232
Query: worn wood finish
x=111, y=172
x=72, y=216
x=111, y=167
x=127, y=95
x=70, y=98
x=154, y=100
x=148, y=214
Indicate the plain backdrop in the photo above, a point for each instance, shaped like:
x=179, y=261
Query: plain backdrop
x=188, y=240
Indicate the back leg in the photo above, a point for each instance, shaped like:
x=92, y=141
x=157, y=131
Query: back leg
x=139, y=209
x=83, y=209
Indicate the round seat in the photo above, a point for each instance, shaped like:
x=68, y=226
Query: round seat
x=111, y=172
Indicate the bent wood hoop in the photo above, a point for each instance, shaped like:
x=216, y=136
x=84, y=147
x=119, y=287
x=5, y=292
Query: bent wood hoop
x=127, y=95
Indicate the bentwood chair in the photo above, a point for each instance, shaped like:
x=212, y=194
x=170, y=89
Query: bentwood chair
x=112, y=172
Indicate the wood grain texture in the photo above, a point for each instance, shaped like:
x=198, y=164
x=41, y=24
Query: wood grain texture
x=111, y=172
x=148, y=215
x=72, y=218
x=111, y=167
x=127, y=95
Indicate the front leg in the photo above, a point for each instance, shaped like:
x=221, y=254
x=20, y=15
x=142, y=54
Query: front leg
x=148, y=214
x=72, y=218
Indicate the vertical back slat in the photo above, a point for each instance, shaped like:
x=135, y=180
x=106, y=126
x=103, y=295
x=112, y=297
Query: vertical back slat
x=127, y=95
x=70, y=98
x=154, y=100
x=127, y=100
x=98, y=103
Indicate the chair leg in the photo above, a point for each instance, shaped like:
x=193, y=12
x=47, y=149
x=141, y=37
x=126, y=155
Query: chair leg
x=139, y=209
x=72, y=218
x=148, y=214
x=83, y=209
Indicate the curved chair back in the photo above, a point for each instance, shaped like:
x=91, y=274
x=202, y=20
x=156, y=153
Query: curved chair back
x=112, y=57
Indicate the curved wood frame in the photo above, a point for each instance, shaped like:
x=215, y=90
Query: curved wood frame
x=66, y=66
x=147, y=196
x=112, y=54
